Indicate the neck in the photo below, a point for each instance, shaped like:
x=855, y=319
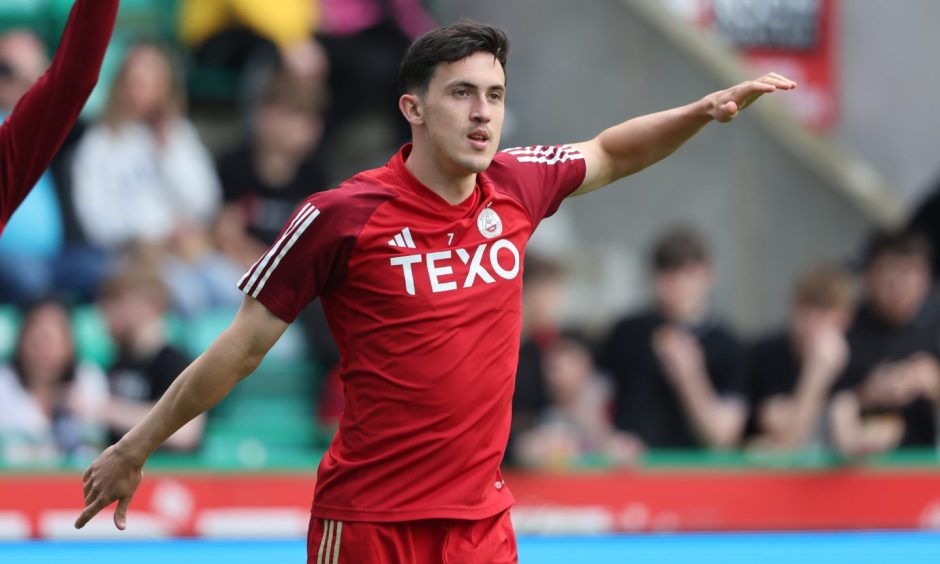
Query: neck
x=44, y=394
x=149, y=339
x=453, y=184
x=275, y=168
x=691, y=318
x=40, y=382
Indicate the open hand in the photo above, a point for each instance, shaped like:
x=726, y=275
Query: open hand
x=727, y=104
x=112, y=477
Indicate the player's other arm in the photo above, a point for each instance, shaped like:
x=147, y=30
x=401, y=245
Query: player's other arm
x=235, y=354
x=643, y=141
x=41, y=120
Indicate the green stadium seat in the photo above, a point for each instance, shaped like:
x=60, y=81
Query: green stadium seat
x=28, y=14
x=250, y=454
x=92, y=341
x=9, y=331
x=201, y=331
x=25, y=11
x=287, y=432
x=151, y=17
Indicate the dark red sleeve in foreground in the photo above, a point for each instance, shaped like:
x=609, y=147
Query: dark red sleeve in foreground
x=41, y=120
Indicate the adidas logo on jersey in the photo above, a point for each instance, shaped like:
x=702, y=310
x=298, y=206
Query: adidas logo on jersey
x=403, y=240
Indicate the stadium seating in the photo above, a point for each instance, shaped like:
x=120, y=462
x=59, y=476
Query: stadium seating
x=270, y=418
x=9, y=329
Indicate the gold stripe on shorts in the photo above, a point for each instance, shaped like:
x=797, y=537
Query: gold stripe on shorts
x=339, y=535
x=327, y=526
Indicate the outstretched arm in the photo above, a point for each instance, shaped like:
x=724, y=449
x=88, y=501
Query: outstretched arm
x=115, y=475
x=643, y=141
x=41, y=120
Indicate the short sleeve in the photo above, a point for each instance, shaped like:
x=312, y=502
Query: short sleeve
x=312, y=252
x=298, y=266
x=542, y=176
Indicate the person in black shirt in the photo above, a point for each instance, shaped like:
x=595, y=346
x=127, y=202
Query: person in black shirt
x=890, y=390
x=926, y=220
x=264, y=180
x=790, y=375
x=133, y=303
x=676, y=370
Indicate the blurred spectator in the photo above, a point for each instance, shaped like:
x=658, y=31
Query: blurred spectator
x=254, y=38
x=144, y=176
x=791, y=375
x=889, y=393
x=27, y=254
x=926, y=220
x=576, y=424
x=134, y=303
x=542, y=298
x=677, y=372
x=365, y=41
x=144, y=170
x=51, y=404
x=264, y=180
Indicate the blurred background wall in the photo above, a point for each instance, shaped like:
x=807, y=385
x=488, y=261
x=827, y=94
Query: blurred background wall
x=579, y=67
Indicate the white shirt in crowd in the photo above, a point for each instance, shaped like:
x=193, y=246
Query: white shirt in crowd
x=127, y=186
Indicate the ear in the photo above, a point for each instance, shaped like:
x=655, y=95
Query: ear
x=411, y=107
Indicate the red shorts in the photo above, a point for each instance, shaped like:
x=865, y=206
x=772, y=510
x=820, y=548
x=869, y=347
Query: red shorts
x=429, y=541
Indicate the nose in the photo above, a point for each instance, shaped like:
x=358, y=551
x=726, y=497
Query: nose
x=481, y=112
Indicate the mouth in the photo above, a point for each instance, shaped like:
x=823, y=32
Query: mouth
x=479, y=139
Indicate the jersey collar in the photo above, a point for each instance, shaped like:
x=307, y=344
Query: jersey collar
x=430, y=197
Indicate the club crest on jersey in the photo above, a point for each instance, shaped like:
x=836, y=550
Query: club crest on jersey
x=490, y=224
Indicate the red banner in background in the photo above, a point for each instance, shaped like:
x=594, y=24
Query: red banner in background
x=797, y=38
x=277, y=505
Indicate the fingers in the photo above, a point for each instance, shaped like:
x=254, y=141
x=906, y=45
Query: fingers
x=759, y=86
x=120, y=515
x=91, y=511
x=778, y=81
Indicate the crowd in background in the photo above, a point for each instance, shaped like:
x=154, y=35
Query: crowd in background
x=855, y=369
x=141, y=219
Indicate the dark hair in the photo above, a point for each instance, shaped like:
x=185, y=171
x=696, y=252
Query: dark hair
x=907, y=243
x=448, y=45
x=677, y=248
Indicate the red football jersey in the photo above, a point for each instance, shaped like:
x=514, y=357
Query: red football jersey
x=424, y=301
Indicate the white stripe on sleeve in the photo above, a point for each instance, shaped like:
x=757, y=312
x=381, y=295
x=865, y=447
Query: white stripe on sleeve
x=297, y=233
x=255, y=271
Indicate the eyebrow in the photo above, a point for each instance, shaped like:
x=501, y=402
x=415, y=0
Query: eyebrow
x=466, y=84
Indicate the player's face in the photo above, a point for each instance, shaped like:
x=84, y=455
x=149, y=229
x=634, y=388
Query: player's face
x=463, y=111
